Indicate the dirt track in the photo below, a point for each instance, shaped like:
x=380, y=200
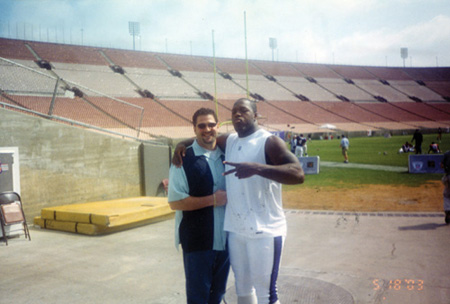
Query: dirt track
x=427, y=198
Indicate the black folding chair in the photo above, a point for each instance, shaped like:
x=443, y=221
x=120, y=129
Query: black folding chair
x=11, y=212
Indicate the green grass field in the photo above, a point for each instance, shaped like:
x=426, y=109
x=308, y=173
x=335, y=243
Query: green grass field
x=368, y=150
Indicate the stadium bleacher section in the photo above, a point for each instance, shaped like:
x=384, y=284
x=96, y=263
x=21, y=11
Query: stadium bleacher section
x=352, y=72
x=19, y=78
x=204, y=81
x=134, y=59
x=379, y=90
x=185, y=63
x=440, y=87
x=96, y=77
x=66, y=53
x=232, y=66
x=414, y=90
x=345, y=90
x=258, y=84
x=309, y=91
x=428, y=74
x=314, y=70
x=383, y=73
x=109, y=88
x=15, y=49
x=161, y=83
x=275, y=68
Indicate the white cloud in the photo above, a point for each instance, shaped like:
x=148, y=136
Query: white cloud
x=343, y=31
x=428, y=39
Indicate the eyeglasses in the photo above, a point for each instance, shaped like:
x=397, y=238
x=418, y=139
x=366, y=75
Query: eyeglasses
x=209, y=125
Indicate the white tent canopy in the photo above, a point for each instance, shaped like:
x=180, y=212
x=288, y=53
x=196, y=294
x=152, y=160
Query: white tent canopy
x=328, y=126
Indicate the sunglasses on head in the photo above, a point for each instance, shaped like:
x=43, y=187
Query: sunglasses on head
x=210, y=125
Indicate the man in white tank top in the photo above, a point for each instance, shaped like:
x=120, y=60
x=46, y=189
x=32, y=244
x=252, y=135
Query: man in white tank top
x=257, y=163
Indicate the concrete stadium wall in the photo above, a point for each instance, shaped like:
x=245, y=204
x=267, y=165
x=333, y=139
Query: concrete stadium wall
x=62, y=164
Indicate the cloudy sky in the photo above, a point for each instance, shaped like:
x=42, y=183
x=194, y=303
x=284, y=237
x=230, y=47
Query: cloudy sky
x=355, y=32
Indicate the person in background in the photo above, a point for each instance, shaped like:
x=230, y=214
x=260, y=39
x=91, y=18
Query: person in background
x=406, y=148
x=293, y=142
x=418, y=139
x=304, y=145
x=197, y=193
x=445, y=164
x=434, y=148
x=344, y=146
x=298, y=147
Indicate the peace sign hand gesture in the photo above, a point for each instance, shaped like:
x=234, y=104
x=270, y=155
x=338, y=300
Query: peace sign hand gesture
x=242, y=170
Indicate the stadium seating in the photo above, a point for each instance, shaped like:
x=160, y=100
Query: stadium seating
x=67, y=53
x=186, y=63
x=315, y=70
x=440, y=87
x=376, y=88
x=161, y=83
x=413, y=89
x=111, y=88
x=429, y=74
x=260, y=85
x=15, y=49
x=341, y=87
x=204, y=81
x=425, y=110
x=352, y=72
x=97, y=78
x=276, y=68
x=233, y=66
x=17, y=80
x=301, y=86
x=384, y=73
x=134, y=59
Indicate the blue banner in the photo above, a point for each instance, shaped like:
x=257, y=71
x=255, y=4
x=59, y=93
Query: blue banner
x=425, y=163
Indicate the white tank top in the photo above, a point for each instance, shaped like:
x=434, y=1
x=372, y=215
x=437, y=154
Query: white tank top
x=254, y=205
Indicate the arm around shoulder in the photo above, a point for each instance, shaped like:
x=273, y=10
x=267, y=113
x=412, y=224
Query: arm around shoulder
x=222, y=141
x=180, y=150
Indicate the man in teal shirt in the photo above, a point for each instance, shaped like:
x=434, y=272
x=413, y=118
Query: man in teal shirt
x=197, y=193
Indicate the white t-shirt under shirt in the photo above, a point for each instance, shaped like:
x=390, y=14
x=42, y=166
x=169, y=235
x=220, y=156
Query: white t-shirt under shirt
x=254, y=205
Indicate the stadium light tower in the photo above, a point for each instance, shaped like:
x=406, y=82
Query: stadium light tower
x=273, y=44
x=404, y=54
x=134, y=30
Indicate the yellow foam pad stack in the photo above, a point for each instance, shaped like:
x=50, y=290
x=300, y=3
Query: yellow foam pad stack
x=105, y=216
